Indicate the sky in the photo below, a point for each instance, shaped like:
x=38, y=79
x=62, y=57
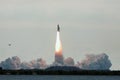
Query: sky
x=87, y=27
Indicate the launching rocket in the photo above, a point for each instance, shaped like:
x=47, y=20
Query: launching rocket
x=58, y=48
x=58, y=28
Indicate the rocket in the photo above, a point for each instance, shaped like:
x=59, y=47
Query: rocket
x=58, y=28
x=59, y=59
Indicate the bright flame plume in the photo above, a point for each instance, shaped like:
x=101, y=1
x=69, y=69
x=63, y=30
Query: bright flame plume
x=58, y=46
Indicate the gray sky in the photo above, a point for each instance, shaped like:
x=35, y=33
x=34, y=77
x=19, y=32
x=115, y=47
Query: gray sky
x=87, y=26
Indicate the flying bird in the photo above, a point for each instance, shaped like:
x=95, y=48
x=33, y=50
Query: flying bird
x=9, y=44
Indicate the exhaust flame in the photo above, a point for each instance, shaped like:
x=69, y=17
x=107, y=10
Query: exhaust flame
x=58, y=46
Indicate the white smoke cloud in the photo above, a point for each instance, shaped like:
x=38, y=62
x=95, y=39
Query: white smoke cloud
x=38, y=64
x=11, y=63
x=15, y=63
x=91, y=62
x=26, y=65
x=95, y=62
x=69, y=61
x=34, y=64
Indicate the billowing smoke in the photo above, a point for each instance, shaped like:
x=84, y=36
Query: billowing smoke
x=66, y=62
x=95, y=62
x=15, y=63
x=11, y=63
x=91, y=62
x=26, y=65
x=34, y=64
x=69, y=61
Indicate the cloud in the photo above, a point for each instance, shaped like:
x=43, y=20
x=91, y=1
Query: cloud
x=26, y=65
x=91, y=62
x=95, y=62
x=38, y=64
x=69, y=61
x=63, y=62
x=11, y=63
x=15, y=63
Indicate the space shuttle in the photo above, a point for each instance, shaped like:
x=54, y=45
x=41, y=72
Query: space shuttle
x=58, y=28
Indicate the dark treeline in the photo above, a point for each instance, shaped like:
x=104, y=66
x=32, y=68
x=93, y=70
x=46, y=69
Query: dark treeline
x=57, y=72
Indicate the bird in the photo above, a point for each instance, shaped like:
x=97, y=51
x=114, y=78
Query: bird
x=9, y=44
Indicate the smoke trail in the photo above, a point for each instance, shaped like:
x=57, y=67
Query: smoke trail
x=58, y=45
x=95, y=62
x=58, y=51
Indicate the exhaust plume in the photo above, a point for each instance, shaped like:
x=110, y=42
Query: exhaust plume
x=58, y=45
x=58, y=49
x=95, y=62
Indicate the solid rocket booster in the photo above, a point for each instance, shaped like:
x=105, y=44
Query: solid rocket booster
x=58, y=28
